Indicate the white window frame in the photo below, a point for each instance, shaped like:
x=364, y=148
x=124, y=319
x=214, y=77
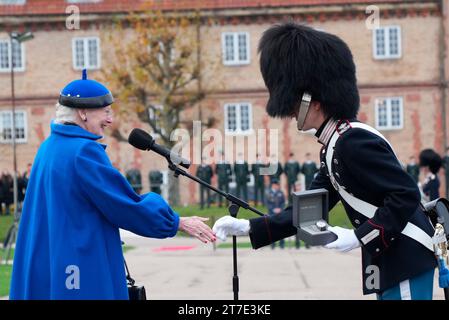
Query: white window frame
x=25, y=127
x=236, y=61
x=86, y=53
x=22, y=49
x=161, y=56
x=389, y=125
x=151, y=115
x=388, y=54
x=238, y=130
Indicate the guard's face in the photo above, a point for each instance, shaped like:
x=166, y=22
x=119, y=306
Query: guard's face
x=98, y=120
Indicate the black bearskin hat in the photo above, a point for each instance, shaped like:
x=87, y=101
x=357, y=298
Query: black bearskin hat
x=295, y=58
x=431, y=159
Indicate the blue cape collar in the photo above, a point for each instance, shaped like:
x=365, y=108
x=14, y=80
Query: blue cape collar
x=74, y=131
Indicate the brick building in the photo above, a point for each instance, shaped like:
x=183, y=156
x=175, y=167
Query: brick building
x=401, y=69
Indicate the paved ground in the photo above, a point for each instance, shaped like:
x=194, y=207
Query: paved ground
x=183, y=268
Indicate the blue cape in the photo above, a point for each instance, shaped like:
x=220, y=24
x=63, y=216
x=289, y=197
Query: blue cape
x=69, y=245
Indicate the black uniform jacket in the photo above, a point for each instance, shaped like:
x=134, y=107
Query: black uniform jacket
x=365, y=165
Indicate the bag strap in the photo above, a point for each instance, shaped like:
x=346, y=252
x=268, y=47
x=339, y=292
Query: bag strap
x=361, y=206
x=131, y=281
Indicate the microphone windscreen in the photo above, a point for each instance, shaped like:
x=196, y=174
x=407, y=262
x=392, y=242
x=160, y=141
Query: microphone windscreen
x=140, y=139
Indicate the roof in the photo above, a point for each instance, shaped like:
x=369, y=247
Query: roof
x=58, y=7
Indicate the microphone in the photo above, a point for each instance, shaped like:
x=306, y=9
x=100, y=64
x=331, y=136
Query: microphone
x=140, y=139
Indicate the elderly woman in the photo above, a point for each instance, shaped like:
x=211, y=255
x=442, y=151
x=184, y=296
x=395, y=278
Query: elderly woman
x=69, y=244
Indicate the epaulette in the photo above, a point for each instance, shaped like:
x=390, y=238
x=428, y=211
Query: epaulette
x=343, y=126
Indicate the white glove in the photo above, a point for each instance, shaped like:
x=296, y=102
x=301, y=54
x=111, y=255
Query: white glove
x=230, y=226
x=346, y=240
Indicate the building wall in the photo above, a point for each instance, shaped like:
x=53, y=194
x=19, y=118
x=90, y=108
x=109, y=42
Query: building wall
x=414, y=77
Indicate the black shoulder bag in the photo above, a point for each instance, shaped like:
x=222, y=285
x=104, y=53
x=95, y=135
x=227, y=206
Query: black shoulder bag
x=135, y=292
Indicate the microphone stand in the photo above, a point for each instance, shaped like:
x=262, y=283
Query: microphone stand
x=233, y=209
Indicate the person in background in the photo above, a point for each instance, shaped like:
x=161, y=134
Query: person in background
x=291, y=170
x=309, y=169
x=413, y=169
x=205, y=173
x=446, y=171
x=7, y=190
x=430, y=163
x=275, y=205
x=241, y=171
x=223, y=170
x=279, y=170
x=259, y=180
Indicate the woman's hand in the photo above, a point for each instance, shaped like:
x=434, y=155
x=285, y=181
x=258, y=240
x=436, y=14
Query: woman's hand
x=197, y=228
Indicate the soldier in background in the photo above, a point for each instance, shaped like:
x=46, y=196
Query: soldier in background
x=2, y=193
x=446, y=170
x=430, y=163
x=241, y=172
x=156, y=179
x=22, y=185
x=205, y=173
x=223, y=170
x=309, y=169
x=20, y=191
x=134, y=178
x=7, y=186
x=275, y=205
x=291, y=170
x=413, y=169
x=279, y=170
x=259, y=180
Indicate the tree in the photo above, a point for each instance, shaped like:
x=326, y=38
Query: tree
x=155, y=72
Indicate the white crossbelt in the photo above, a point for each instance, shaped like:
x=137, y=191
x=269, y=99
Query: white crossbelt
x=363, y=207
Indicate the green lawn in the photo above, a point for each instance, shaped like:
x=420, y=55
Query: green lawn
x=5, y=276
x=2, y=253
x=126, y=248
x=5, y=223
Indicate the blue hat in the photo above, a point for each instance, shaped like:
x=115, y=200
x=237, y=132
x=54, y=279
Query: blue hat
x=85, y=94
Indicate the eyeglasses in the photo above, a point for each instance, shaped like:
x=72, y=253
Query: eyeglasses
x=109, y=112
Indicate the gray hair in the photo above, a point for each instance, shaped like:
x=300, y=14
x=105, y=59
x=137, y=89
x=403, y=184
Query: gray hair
x=65, y=114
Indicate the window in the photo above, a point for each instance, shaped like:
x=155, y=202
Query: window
x=235, y=48
x=238, y=118
x=389, y=113
x=161, y=57
x=5, y=56
x=153, y=114
x=387, y=42
x=6, y=126
x=86, y=53
x=14, y=2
